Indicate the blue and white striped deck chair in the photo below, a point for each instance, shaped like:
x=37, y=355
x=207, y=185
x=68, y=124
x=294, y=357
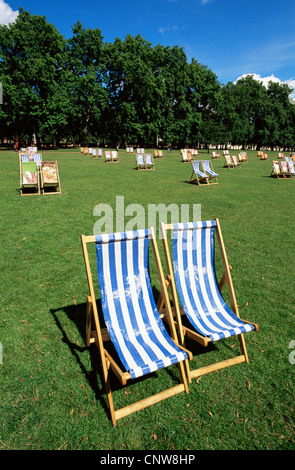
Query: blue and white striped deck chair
x=37, y=157
x=290, y=163
x=149, y=161
x=132, y=320
x=25, y=157
x=198, y=176
x=208, y=168
x=193, y=278
x=140, y=162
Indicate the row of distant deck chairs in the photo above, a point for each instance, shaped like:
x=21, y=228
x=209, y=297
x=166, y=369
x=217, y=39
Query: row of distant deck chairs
x=94, y=152
x=283, y=169
x=135, y=323
x=37, y=175
x=240, y=158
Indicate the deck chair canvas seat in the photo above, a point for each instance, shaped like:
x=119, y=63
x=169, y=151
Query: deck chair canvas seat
x=24, y=157
x=232, y=161
x=150, y=165
x=50, y=180
x=37, y=157
x=29, y=179
x=208, y=168
x=193, y=278
x=130, y=314
x=140, y=162
x=215, y=155
x=285, y=169
x=115, y=157
x=108, y=156
x=243, y=157
x=236, y=161
x=186, y=155
x=276, y=170
x=198, y=176
x=291, y=165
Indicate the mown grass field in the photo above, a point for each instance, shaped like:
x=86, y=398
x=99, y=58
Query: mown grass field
x=51, y=395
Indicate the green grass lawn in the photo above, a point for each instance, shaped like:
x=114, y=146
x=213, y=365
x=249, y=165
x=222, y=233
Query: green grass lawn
x=51, y=393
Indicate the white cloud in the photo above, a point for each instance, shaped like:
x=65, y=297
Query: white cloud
x=170, y=28
x=271, y=78
x=7, y=15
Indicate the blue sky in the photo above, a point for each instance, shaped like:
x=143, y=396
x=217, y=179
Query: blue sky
x=231, y=37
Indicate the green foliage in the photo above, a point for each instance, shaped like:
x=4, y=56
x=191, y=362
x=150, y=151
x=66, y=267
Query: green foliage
x=129, y=92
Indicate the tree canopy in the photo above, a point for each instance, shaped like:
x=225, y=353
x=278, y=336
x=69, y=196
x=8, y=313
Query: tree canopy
x=128, y=92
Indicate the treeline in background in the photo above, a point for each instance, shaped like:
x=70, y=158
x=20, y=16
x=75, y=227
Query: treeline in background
x=85, y=91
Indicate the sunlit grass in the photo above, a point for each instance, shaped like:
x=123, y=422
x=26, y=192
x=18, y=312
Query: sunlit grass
x=51, y=394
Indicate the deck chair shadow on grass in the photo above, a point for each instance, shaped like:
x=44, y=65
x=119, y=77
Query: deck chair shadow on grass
x=193, y=278
x=133, y=323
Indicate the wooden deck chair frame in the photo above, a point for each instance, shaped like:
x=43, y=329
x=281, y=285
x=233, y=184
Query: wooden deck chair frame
x=291, y=165
x=228, y=163
x=198, y=176
x=150, y=164
x=27, y=186
x=263, y=156
x=215, y=155
x=285, y=170
x=178, y=311
x=45, y=186
x=115, y=156
x=276, y=170
x=100, y=337
x=186, y=155
x=243, y=157
x=140, y=161
x=108, y=156
x=236, y=161
x=209, y=170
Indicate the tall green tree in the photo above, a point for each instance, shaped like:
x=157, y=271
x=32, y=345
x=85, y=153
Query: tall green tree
x=133, y=95
x=31, y=61
x=85, y=81
x=204, y=96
